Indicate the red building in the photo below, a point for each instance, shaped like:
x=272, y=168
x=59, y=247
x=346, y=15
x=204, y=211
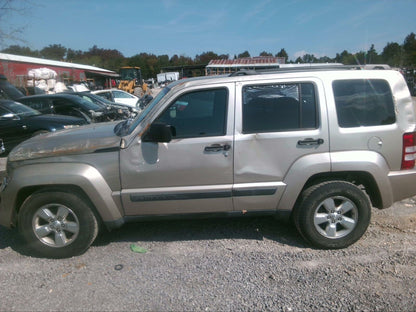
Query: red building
x=16, y=69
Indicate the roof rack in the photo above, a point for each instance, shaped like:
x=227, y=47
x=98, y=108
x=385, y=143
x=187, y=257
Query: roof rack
x=306, y=67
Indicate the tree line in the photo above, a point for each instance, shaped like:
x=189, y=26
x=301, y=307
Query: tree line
x=393, y=54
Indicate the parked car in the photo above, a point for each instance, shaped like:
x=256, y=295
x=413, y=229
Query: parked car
x=8, y=91
x=118, y=96
x=19, y=122
x=72, y=105
x=124, y=109
x=318, y=145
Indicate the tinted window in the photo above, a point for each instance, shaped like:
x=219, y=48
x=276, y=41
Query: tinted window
x=279, y=107
x=20, y=109
x=362, y=102
x=41, y=105
x=200, y=113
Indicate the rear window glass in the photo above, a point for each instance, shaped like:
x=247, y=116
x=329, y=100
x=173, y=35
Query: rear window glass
x=279, y=107
x=363, y=102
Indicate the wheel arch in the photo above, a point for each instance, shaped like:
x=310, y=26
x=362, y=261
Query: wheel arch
x=83, y=179
x=370, y=172
x=26, y=192
x=362, y=179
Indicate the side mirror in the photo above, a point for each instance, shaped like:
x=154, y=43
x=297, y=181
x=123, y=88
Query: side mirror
x=159, y=132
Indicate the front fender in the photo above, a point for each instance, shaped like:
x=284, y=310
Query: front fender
x=83, y=176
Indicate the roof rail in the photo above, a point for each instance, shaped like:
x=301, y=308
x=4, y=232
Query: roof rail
x=306, y=67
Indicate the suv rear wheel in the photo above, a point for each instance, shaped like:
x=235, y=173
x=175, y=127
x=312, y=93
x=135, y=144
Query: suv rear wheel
x=57, y=224
x=333, y=214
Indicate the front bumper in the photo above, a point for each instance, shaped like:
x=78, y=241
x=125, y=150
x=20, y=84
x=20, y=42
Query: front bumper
x=6, y=211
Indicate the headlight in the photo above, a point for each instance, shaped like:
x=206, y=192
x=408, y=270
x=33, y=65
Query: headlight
x=96, y=114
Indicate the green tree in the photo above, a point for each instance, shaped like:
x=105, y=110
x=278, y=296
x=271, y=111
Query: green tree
x=283, y=53
x=309, y=58
x=163, y=60
x=264, y=53
x=372, y=56
x=206, y=57
x=392, y=54
x=345, y=58
x=74, y=55
x=53, y=52
x=19, y=50
x=409, y=49
x=224, y=56
x=244, y=54
x=359, y=58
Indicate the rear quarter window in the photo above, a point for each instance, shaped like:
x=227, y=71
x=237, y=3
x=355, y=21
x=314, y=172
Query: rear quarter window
x=363, y=102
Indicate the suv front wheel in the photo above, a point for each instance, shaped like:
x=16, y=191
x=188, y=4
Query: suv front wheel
x=57, y=224
x=333, y=214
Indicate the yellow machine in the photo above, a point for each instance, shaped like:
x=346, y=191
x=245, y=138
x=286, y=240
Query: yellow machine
x=131, y=79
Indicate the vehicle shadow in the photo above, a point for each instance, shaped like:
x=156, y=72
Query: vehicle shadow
x=253, y=228
x=10, y=238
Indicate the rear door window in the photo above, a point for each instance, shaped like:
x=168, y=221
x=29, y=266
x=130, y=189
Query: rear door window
x=279, y=107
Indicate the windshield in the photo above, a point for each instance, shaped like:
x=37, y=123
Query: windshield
x=129, y=73
x=94, y=99
x=89, y=105
x=19, y=109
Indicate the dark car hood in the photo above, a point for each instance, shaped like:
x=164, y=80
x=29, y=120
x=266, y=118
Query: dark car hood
x=61, y=119
x=82, y=140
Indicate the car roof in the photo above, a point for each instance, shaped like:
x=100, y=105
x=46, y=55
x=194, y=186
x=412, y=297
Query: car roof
x=310, y=70
x=57, y=95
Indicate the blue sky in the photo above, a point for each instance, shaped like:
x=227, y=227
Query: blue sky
x=191, y=27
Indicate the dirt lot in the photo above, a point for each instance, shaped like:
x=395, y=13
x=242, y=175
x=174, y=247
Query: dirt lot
x=248, y=264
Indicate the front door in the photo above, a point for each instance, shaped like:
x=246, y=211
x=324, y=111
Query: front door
x=194, y=172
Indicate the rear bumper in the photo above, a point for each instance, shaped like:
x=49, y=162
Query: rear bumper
x=403, y=185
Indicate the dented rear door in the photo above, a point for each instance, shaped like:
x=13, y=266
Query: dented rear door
x=279, y=123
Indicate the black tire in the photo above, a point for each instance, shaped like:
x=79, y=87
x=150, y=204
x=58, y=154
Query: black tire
x=57, y=224
x=332, y=215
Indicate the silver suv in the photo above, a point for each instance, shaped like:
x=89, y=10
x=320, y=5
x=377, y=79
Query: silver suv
x=319, y=146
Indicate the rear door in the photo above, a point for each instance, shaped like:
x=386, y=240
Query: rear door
x=281, y=129
x=194, y=172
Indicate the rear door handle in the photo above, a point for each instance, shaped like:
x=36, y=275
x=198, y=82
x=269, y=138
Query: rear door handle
x=310, y=141
x=215, y=148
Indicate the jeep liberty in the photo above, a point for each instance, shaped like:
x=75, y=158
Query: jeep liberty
x=321, y=146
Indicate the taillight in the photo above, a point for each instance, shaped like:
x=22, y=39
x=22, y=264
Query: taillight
x=409, y=150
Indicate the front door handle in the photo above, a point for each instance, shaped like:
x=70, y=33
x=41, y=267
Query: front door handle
x=310, y=141
x=215, y=148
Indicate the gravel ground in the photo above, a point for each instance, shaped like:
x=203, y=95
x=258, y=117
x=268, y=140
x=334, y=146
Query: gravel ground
x=247, y=264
